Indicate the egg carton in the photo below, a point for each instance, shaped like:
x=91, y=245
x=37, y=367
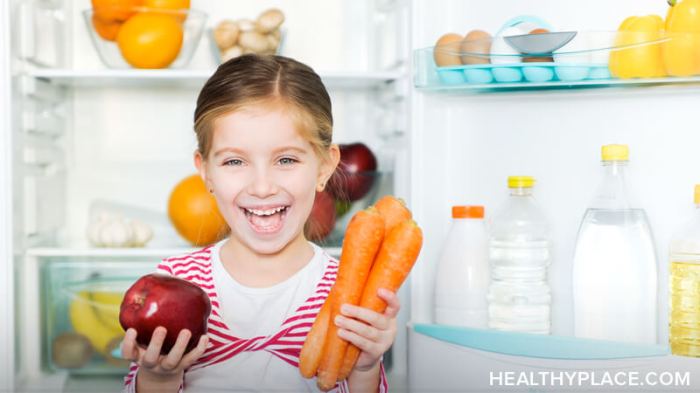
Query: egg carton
x=522, y=72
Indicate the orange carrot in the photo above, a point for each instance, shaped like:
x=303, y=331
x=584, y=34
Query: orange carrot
x=399, y=252
x=363, y=237
x=311, y=352
x=393, y=210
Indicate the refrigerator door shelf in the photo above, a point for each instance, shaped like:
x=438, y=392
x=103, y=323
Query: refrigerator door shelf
x=474, y=360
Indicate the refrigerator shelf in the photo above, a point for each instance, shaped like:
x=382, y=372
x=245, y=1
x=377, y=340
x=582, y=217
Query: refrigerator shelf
x=146, y=252
x=195, y=78
x=473, y=360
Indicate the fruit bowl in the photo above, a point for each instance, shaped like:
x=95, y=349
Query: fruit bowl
x=141, y=37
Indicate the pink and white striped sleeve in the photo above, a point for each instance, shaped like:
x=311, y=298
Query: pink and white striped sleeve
x=130, y=378
x=344, y=387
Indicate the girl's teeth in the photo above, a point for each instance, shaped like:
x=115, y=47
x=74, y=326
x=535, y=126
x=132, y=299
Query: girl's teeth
x=265, y=212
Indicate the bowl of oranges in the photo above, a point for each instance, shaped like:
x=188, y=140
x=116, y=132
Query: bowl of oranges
x=148, y=34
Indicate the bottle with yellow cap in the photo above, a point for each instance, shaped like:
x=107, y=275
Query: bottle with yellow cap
x=463, y=272
x=684, y=322
x=519, y=295
x=615, y=273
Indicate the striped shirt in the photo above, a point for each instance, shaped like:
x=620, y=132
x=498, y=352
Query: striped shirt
x=227, y=354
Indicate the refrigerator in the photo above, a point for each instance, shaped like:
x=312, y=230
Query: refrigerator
x=78, y=136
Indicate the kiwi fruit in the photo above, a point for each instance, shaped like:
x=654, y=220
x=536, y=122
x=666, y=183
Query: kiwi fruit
x=71, y=350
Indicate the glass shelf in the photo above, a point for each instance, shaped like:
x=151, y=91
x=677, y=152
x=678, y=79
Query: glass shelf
x=195, y=78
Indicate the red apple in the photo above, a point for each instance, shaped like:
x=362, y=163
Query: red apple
x=322, y=218
x=161, y=300
x=355, y=174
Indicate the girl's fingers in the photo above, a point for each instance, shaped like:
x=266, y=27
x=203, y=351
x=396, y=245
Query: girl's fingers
x=196, y=352
x=364, y=344
x=375, y=319
x=362, y=329
x=175, y=355
x=392, y=302
x=150, y=358
x=128, y=346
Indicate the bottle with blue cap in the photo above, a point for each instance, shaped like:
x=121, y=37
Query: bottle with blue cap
x=519, y=297
x=615, y=273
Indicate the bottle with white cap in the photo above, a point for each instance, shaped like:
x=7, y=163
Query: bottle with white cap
x=615, y=277
x=463, y=271
x=684, y=325
x=519, y=255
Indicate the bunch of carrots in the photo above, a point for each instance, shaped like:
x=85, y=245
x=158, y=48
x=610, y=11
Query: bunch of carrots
x=380, y=247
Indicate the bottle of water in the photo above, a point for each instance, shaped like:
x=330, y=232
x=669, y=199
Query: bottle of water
x=463, y=271
x=519, y=296
x=615, y=270
x=684, y=325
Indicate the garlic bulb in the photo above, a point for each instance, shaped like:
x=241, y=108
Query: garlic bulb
x=113, y=230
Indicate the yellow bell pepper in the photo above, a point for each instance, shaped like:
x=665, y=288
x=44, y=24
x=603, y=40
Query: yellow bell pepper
x=681, y=53
x=632, y=57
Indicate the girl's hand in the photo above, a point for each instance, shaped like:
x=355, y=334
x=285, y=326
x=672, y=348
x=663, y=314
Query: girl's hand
x=155, y=365
x=372, y=332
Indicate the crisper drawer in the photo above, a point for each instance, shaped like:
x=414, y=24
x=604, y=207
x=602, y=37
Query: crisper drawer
x=455, y=359
x=80, y=312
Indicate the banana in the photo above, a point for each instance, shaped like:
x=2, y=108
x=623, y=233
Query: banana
x=106, y=306
x=97, y=325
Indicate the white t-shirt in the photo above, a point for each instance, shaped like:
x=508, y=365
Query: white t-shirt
x=251, y=312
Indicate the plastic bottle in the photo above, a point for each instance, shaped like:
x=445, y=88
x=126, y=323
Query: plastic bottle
x=463, y=272
x=615, y=279
x=519, y=296
x=684, y=324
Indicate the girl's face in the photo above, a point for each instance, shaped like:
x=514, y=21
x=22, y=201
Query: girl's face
x=264, y=176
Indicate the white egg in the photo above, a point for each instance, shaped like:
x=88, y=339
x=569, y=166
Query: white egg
x=501, y=51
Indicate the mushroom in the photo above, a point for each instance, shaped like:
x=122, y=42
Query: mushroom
x=253, y=41
x=269, y=20
x=231, y=52
x=226, y=34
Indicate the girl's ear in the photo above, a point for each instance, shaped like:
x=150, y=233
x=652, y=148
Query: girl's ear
x=202, y=169
x=328, y=166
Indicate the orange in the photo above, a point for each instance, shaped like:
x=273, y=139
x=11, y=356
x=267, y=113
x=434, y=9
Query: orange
x=193, y=212
x=115, y=10
x=150, y=40
x=106, y=29
x=174, y=5
x=167, y=4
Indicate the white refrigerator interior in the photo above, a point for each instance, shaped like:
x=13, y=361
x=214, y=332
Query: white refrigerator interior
x=77, y=134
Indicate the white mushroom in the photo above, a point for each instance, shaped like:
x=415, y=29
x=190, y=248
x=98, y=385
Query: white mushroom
x=269, y=21
x=226, y=34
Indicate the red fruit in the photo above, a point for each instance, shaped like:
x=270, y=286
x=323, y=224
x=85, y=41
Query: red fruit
x=160, y=300
x=355, y=174
x=322, y=218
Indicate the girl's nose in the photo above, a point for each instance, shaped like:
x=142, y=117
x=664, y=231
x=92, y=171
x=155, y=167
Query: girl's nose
x=262, y=185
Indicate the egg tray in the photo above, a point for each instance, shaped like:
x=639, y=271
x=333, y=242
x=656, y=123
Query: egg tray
x=521, y=73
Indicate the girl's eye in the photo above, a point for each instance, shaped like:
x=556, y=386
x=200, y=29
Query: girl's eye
x=233, y=162
x=287, y=161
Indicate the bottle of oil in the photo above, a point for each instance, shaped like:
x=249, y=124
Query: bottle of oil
x=684, y=324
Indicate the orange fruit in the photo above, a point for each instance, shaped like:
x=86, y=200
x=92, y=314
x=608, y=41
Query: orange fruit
x=167, y=4
x=193, y=212
x=150, y=40
x=106, y=29
x=174, y=5
x=115, y=10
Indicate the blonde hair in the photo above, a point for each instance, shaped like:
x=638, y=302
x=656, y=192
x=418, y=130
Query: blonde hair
x=266, y=80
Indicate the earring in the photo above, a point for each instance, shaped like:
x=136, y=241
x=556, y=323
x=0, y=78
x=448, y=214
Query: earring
x=320, y=187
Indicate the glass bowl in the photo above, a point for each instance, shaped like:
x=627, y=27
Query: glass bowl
x=103, y=32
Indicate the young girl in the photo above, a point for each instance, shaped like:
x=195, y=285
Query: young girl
x=264, y=130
